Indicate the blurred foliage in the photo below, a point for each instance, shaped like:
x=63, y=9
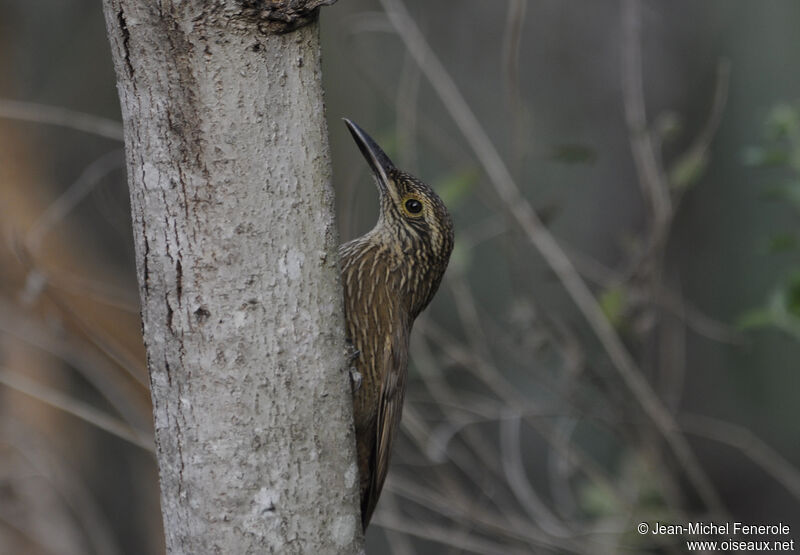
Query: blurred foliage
x=454, y=187
x=780, y=150
x=613, y=303
x=688, y=169
x=519, y=434
x=573, y=154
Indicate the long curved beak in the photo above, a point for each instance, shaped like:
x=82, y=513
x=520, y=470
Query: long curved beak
x=380, y=163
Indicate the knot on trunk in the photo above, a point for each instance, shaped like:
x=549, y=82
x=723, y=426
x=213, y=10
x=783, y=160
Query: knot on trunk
x=282, y=16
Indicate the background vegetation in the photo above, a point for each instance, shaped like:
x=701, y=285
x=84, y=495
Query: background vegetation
x=618, y=335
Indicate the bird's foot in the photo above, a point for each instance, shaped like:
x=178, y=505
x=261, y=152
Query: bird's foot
x=351, y=352
x=355, y=376
x=355, y=379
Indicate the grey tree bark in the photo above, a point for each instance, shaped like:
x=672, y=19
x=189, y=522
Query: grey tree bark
x=229, y=178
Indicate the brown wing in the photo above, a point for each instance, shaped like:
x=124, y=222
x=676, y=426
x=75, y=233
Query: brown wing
x=390, y=409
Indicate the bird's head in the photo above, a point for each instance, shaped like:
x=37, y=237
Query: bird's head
x=412, y=216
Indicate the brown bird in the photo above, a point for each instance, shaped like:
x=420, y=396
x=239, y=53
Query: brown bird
x=389, y=275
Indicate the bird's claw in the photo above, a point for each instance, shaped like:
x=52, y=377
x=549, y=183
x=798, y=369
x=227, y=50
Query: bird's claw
x=355, y=379
x=352, y=352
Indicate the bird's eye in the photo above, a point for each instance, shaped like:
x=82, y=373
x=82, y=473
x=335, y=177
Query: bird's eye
x=413, y=206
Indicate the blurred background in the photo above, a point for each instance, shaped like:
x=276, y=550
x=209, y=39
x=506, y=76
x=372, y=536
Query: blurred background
x=618, y=334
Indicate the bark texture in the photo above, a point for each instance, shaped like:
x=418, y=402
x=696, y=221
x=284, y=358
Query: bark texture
x=229, y=176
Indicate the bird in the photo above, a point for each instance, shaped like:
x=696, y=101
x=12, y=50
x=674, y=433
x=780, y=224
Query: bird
x=389, y=276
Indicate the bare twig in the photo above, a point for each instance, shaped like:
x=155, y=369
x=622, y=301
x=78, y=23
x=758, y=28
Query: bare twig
x=105, y=342
x=697, y=321
x=476, y=449
x=77, y=408
x=513, y=528
x=468, y=543
x=595, y=272
x=569, y=451
x=56, y=115
x=671, y=354
x=66, y=482
x=30, y=536
x=560, y=469
x=103, y=292
x=749, y=444
x=386, y=91
x=652, y=180
x=406, y=109
x=446, y=399
x=462, y=458
x=702, y=141
x=399, y=543
x=70, y=198
x=518, y=480
x=467, y=310
x=697, y=153
x=94, y=368
x=512, y=39
x=546, y=244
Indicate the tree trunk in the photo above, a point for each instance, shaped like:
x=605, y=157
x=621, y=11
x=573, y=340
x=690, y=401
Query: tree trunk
x=229, y=176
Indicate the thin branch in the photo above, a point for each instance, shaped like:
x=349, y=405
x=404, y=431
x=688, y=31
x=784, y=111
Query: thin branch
x=703, y=140
x=105, y=342
x=476, y=447
x=95, y=290
x=697, y=321
x=446, y=399
x=512, y=39
x=66, y=482
x=652, y=180
x=597, y=273
x=569, y=451
x=70, y=198
x=461, y=457
x=546, y=244
x=697, y=153
x=406, y=109
x=560, y=469
x=524, y=491
x=386, y=91
x=512, y=528
x=468, y=543
x=77, y=408
x=95, y=369
x=29, y=535
x=672, y=334
x=399, y=543
x=749, y=444
x=62, y=117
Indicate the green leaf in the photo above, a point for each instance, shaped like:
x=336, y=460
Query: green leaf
x=454, y=187
x=792, y=192
x=688, y=169
x=756, y=318
x=788, y=192
x=783, y=242
x=794, y=157
x=783, y=122
x=613, y=302
x=781, y=311
x=668, y=125
x=792, y=295
x=597, y=501
x=573, y=154
x=763, y=157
